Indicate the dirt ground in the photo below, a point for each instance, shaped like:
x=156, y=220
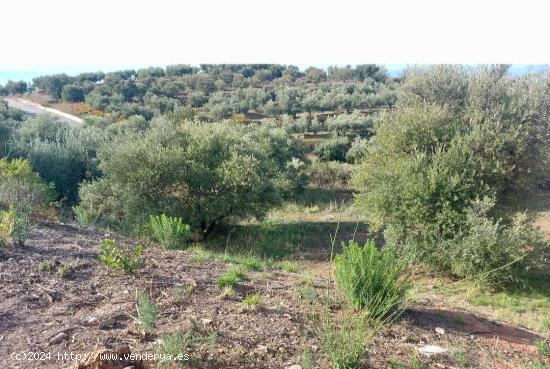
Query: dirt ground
x=94, y=307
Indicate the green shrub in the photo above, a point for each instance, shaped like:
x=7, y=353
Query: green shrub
x=345, y=124
x=203, y=173
x=147, y=312
x=169, y=231
x=6, y=227
x=457, y=139
x=334, y=149
x=117, y=257
x=61, y=155
x=490, y=248
x=72, y=93
x=357, y=151
x=370, y=279
x=21, y=192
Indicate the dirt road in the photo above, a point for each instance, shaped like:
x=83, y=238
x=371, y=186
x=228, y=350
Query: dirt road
x=35, y=109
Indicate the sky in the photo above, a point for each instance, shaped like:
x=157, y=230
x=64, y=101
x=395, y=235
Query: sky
x=72, y=36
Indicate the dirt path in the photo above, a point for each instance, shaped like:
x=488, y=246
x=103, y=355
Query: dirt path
x=34, y=109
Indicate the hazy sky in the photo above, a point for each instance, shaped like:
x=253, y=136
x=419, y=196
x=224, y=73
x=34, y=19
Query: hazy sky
x=45, y=34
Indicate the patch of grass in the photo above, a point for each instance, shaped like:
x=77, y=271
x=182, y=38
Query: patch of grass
x=85, y=217
x=62, y=270
x=147, y=312
x=307, y=293
x=543, y=347
x=307, y=279
x=460, y=356
x=231, y=278
x=345, y=337
x=306, y=359
x=252, y=263
x=228, y=293
x=200, y=255
x=288, y=266
x=179, y=344
x=395, y=363
x=48, y=266
x=538, y=365
x=177, y=292
x=414, y=363
x=65, y=271
x=253, y=301
x=528, y=305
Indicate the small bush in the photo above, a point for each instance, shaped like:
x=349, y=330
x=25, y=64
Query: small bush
x=21, y=192
x=14, y=226
x=371, y=279
x=231, y=278
x=490, y=248
x=357, y=151
x=72, y=93
x=169, y=231
x=147, y=312
x=6, y=227
x=350, y=123
x=334, y=149
x=118, y=258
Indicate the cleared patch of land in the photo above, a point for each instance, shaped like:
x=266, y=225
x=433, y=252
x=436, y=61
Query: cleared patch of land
x=34, y=108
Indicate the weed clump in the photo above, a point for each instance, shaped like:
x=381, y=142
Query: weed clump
x=178, y=345
x=231, y=278
x=117, y=257
x=371, y=279
x=253, y=301
x=147, y=312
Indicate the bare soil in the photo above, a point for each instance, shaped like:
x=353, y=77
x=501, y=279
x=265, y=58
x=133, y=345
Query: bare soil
x=94, y=309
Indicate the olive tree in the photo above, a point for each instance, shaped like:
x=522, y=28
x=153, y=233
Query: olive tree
x=442, y=172
x=204, y=173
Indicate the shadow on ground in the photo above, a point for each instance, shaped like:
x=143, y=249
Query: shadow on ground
x=469, y=324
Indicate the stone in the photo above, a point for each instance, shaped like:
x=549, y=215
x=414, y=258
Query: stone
x=60, y=337
x=430, y=350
